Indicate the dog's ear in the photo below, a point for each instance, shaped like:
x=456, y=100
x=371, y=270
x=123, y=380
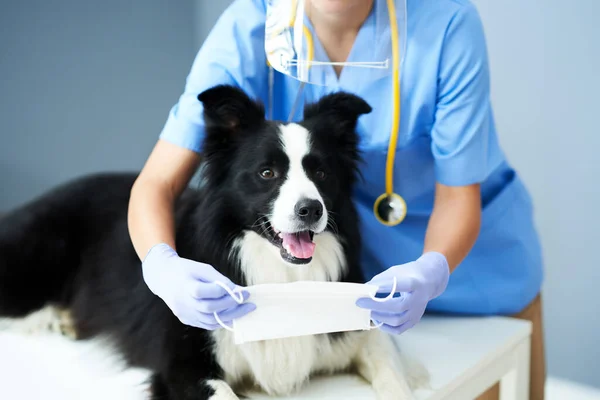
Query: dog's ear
x=228, y=108
x=336, y=115
x=342, y=108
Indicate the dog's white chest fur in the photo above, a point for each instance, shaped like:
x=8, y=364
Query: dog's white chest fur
x=282, y=365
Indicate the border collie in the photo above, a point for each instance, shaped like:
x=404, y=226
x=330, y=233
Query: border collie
x=275, y=207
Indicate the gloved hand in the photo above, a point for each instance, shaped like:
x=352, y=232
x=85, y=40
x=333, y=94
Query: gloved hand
x=190, y=290
x=418, y=282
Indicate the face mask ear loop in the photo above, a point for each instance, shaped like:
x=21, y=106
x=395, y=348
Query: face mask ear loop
x=381, y=300
x=389, y=296
x=239, y=299
x=221, y=322
x=376, y=326
x=232, y=293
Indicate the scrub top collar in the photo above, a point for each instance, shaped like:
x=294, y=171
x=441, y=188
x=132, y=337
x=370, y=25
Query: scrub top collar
x=351, y=78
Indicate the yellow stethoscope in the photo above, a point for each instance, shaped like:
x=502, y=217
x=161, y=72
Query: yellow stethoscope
x=389, y=208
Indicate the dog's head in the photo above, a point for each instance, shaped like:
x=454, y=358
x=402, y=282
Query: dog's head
x=286, y=182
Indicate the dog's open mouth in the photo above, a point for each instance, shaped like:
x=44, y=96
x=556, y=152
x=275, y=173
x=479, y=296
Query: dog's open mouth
x=296, y=247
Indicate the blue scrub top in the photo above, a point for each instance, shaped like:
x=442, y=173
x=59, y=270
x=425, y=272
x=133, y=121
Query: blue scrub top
x=447, y=134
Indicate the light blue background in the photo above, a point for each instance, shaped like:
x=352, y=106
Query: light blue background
x=545, y=66
x=87, y=86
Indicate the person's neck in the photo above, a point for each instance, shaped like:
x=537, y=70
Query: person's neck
x=337, y=32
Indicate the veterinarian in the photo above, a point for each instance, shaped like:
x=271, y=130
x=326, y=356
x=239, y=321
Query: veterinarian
x=461, y=238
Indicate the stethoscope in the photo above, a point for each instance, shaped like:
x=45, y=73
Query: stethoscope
x=389, y=208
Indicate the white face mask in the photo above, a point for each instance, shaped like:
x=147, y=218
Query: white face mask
x=302, y=308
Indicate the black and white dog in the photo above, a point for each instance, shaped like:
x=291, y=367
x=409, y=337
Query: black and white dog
x=275, y=207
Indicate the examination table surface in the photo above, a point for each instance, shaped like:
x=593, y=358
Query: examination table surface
x=464, y=357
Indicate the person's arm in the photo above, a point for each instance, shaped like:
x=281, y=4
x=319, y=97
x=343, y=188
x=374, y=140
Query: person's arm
x=165, y=175
x=460, y=136
x=233, y=54
x=459, y=142
x=454, y=223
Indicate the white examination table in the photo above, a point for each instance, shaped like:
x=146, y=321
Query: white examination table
x=464, y=356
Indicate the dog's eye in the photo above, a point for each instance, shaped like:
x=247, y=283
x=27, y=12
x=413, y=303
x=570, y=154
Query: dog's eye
x=267, y=173
x=320, y=175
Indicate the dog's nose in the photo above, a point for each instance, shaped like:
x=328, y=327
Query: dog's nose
x=309, y=210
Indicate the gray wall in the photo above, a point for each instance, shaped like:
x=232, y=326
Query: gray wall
x=85, y=86
x=207, y=13
x=545, y=61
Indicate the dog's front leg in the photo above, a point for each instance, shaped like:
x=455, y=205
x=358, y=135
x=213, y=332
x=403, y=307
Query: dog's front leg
x=221, y=390
x=185, y=384
x=378, y=361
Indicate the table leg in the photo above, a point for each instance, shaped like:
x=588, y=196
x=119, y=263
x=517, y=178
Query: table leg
x=515, y=384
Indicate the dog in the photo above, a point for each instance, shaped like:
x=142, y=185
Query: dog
x=275, y=207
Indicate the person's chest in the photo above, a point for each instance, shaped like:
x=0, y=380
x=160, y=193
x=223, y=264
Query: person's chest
x=419, y=75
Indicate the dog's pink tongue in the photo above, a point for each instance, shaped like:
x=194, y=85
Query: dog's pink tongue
x=298, y=244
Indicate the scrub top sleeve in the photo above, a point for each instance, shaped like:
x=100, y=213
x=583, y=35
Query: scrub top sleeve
x=233, y=53
x=463, y=121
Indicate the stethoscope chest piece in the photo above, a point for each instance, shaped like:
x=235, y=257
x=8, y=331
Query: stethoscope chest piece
x=390, y=209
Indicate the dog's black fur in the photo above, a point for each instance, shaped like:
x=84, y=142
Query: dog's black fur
x=71, y=246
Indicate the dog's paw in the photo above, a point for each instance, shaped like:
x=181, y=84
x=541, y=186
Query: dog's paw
x=392, y=383
x=66, y=325
x=46, y=320
x=416, y=374
x=222, y=390
x=391, y=390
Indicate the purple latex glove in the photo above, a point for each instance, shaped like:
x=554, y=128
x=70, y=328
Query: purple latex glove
x=195, y=292
x=418, y=282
